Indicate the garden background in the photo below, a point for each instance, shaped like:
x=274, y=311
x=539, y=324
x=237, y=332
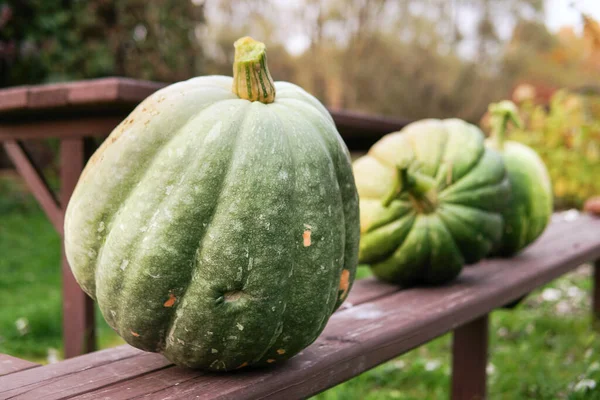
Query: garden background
x=411, y=59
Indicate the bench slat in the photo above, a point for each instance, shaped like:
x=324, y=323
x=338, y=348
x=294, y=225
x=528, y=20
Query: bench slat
x=23, y=381
x=81, y=93
x=376, y=328
x=10, y=365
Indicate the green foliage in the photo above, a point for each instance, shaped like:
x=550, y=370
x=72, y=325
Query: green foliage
x=48, y=41
x=567, y=137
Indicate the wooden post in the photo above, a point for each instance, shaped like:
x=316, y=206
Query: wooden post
x=596, y=295
x=78, y=309
x=469, y=360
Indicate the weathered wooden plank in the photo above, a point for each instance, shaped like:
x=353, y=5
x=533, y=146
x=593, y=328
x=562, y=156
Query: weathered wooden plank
x=13, y=98
x=143, y=385
x=109, y=90
x=469, y=360
x=64, y=386
x=61, y=129
x=365, y=335
x=10, y=365
x=87, y=92
x=366, y=290
x=47, y=96
x=78, y=308
x=34, y=179
x=23, y=381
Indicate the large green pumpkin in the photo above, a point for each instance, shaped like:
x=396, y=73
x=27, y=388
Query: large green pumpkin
x=530, y=207
x=431, y=198
x=219, y=228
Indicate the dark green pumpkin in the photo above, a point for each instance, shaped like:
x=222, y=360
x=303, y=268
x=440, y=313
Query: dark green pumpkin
x=530, y=207
x=219, y=231
x=431, y=198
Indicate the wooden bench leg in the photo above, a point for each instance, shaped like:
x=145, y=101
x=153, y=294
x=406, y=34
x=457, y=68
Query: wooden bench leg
x=78, y=309
x=469, y=360
x=596, y=295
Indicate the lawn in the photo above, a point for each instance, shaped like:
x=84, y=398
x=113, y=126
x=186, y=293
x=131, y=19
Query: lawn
x=543, y=349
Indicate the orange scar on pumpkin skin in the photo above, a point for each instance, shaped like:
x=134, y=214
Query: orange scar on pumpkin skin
x=243, y=365
x=344, y=283
x=171, y=301
x=306, y=237
x=135, y=334
x=281, y=351
x=270, y=361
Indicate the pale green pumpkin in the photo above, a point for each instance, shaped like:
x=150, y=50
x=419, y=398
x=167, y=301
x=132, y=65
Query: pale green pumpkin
x=218, y=227
x=431, y=198
x=530, y=206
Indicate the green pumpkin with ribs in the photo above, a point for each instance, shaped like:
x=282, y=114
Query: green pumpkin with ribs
x=431, y=201
x=218, y=223
x=531, y=202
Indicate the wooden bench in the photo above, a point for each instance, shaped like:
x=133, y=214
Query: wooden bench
x=377, y=322
x=76, y=111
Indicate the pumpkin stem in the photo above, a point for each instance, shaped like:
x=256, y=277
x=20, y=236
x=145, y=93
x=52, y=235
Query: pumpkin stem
x=500, y=115
x=251, y=78
x=418, y=187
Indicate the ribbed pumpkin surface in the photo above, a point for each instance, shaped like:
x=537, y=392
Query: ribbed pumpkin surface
x=530, y=207
x=408, y=241
x=218, y=231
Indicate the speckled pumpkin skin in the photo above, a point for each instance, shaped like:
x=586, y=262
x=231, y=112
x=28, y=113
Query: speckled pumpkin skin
x=220, y=232
x=530, y=207
x=404, y=245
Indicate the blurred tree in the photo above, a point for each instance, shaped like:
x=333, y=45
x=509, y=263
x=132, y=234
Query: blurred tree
x=564, y=59
x=45, y=41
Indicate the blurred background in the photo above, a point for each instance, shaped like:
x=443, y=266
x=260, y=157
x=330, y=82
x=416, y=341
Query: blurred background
x=402, y=58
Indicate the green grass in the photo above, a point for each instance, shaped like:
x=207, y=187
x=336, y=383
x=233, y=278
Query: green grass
x=543, y=349
x=30, y=280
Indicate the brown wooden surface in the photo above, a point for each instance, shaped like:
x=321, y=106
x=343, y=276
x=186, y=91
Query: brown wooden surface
x=26, y=381
x=72, y=98
x=469, y=360
x=78, y=309
x=34, y=179
x=78, y=127
x=378, y=326
x=10, y=365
